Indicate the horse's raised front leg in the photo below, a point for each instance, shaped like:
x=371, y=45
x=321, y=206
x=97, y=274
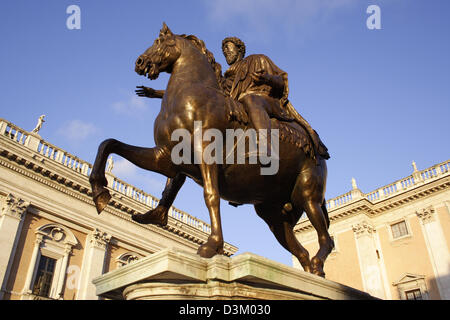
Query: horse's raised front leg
x=153, y=159
x=160, y=214
x=214, y=245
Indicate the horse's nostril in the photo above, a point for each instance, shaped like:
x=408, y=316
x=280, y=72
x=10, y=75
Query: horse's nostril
x=139, y=61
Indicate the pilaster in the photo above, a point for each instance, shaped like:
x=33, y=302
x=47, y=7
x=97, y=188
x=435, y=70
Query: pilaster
x=11, y=220
x=367, y=254
x=437, y=249
x=93, y=263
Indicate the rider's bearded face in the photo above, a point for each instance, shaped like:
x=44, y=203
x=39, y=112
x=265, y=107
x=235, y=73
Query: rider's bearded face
x=231, y=52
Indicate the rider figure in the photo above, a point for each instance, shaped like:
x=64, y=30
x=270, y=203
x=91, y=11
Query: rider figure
x=262, y=88
x=257, y=83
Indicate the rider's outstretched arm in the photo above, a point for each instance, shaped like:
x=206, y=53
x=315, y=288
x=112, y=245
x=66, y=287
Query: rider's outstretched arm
x=149, y=92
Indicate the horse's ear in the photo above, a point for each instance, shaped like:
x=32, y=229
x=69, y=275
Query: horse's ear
x=165, y=31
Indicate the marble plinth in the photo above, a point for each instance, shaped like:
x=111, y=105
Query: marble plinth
x=172, y=274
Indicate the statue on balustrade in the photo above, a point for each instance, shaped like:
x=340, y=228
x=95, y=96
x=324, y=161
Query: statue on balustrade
x=251, y=95
x=39, y=124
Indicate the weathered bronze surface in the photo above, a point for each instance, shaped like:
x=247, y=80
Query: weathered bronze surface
x=253, y=93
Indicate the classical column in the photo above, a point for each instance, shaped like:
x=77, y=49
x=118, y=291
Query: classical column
x=11, y=219
x=368, y=259
x=31, y=267
x=437, y=249
x=62, y=276
x=93, y=263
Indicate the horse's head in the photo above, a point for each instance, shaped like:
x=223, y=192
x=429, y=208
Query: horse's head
x=160, y=56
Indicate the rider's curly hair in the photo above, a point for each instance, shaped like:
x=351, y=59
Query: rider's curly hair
x=237, y=42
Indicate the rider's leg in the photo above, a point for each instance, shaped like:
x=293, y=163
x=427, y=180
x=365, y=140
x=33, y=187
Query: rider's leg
x=257, y=109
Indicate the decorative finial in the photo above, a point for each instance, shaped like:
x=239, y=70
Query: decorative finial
x=414, y=166
x=39, y=124
x=354, y=184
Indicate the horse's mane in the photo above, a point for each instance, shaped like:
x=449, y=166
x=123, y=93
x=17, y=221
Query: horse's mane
x=200, y=45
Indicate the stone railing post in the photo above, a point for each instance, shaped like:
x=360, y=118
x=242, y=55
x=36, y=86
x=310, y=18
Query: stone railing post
x=3, y=126
x=110, y=178
x=356, y=194
x=32, y=142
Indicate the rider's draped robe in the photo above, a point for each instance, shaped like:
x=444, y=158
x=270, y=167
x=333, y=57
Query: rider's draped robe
x=238, y=81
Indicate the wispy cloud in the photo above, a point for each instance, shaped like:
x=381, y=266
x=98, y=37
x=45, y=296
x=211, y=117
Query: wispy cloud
x=260, y=17
x=77, y=130
x=130, y=106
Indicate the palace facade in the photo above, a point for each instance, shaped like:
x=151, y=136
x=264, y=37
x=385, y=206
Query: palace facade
x=392, y=242
x=53, y=242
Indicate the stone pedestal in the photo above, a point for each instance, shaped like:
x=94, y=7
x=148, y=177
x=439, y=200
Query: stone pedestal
x=172, y=274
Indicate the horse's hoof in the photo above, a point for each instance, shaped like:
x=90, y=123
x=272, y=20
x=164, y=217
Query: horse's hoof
x=158, y=216
x=317, y=267
x=319, y=273
x=209, y=250
x=102, y=200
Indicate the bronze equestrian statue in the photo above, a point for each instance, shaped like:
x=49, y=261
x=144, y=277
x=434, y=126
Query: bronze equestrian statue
x=252, y=94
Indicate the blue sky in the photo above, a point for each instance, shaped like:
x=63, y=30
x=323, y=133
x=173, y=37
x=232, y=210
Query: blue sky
x=378, y=98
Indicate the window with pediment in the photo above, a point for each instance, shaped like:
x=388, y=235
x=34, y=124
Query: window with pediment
x=47, y=271
x=412, y=287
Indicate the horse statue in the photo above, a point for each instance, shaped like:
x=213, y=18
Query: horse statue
x=193, y=95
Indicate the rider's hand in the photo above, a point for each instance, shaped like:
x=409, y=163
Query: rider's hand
x=260, y=77
x=145, y=92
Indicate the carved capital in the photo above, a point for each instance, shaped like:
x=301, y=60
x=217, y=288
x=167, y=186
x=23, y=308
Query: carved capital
x=362, y=229
x=39, y=239
x=14, y=207
x=99, y=239
x=426, y=215
x=68, y=250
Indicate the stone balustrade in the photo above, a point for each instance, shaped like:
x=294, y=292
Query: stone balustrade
x=396, y=187
x=338, y=201
x=66, y=159
x=7, y=129
x=34, y=142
